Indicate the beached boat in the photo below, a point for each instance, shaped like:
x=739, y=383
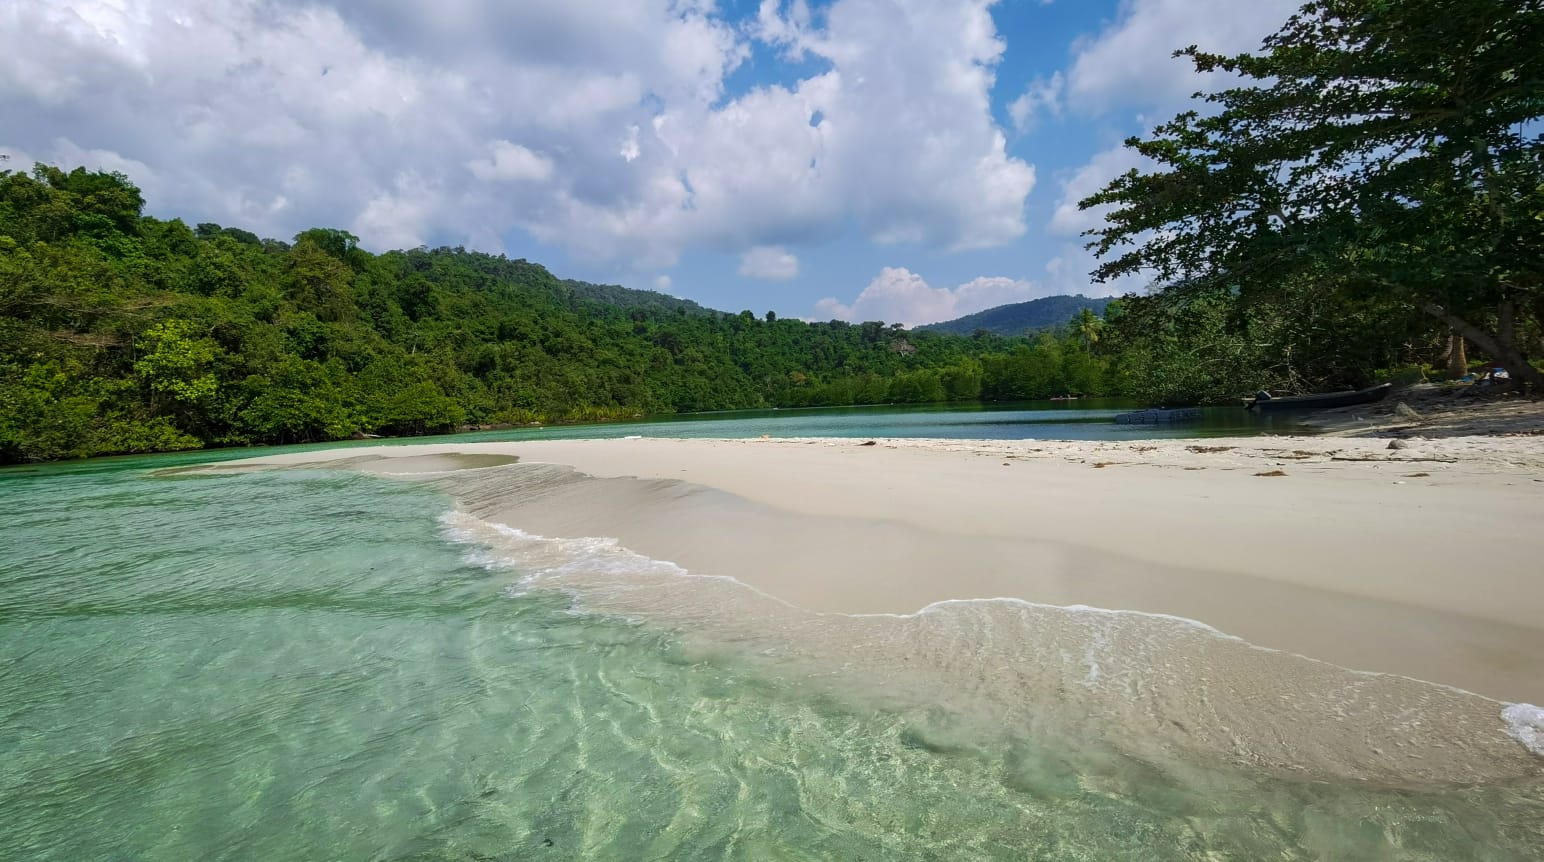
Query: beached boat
x=1323, y=400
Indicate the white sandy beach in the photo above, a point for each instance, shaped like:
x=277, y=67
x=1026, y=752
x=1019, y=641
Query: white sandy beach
x=1423, y=561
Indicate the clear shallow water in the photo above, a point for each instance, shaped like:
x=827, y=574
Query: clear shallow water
x=304, y=665
x=1085, y=419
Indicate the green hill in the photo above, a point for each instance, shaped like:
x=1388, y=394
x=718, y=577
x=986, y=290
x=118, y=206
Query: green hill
x=1020, y=318
x=121, y=332
x=628, y=297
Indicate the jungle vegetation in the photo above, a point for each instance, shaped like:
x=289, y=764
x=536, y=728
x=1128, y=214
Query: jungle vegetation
x=121, y=332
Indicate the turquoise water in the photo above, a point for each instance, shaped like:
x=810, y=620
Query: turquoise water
x=1085, y=419
x=307, y=665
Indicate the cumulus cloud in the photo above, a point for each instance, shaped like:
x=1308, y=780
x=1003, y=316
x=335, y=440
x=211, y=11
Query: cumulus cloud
x=1106, y=165
x=770, y=263
x=1130, y=64
x=511, y=162
x=601, y=126
x=1128, y=67
x=1043, y=96
x=898, y=295
x=1068, y=273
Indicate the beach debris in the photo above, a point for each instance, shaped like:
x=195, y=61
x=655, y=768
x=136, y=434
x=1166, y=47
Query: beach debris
x=1272, y=473
x=1102, y=464
x=1417, y=475
x=869, y=443
x=1387, y=458
x=1399, y=444
x=1208, y=450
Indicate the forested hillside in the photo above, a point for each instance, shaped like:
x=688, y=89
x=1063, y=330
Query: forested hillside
x=126, y=333
x=1019, y=318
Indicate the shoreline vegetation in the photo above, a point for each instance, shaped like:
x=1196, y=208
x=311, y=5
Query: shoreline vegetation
x=121, y=333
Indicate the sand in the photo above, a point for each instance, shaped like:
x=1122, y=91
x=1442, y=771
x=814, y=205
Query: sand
x=1422, y=561
x=1436, y=410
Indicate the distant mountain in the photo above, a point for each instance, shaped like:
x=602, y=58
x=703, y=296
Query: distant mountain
x=1020, y=317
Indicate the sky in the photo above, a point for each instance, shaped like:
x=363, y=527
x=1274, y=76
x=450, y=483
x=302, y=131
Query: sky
x=901, y=160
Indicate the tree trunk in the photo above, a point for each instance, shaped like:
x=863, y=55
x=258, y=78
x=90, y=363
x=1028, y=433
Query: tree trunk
x=1503, y=349
x=1457, y=357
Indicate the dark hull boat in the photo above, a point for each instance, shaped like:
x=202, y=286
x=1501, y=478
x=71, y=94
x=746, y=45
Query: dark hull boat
x=1324, y=400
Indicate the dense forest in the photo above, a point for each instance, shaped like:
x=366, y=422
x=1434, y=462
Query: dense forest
x=121, y=332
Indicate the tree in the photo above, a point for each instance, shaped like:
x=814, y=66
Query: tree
x=1387, y=149
x=175, y=364
x=1087, y=325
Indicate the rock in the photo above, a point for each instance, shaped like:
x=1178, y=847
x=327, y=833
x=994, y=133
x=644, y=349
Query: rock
x=1399, y=444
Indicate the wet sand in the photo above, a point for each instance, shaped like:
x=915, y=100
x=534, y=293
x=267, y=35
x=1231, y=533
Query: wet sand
x=1326, y=608
x=1420, y=561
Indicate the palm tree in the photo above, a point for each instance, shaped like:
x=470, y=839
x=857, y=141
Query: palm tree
x=1087, y=325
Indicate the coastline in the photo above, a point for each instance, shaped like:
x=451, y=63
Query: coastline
x=1323, y=608
x=1396, y=561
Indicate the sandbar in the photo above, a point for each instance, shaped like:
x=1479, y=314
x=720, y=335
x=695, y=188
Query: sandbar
x=1423, y=561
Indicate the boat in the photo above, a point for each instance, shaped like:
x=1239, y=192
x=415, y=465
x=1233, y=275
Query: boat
x=1323, y=400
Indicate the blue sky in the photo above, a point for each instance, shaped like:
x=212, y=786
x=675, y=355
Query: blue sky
x=904, y=160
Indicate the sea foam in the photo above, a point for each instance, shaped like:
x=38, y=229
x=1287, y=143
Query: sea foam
x=1525, y=723
x=1152, y=686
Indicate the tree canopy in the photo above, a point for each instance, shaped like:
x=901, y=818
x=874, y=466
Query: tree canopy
x=1381, y=155
x=121, y=332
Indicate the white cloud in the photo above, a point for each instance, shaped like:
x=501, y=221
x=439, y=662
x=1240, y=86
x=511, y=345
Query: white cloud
x=601, y=126
x=1130, y=63
x=1106, y=165
x=771, y=263
x=1042, y=96
x=1068, y=273
x=399, y=217
x=511, y=162
x=898, y=295
x=662, y=283
x=1128, y=67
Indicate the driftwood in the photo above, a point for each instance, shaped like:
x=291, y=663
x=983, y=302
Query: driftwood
x=1387, y=460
